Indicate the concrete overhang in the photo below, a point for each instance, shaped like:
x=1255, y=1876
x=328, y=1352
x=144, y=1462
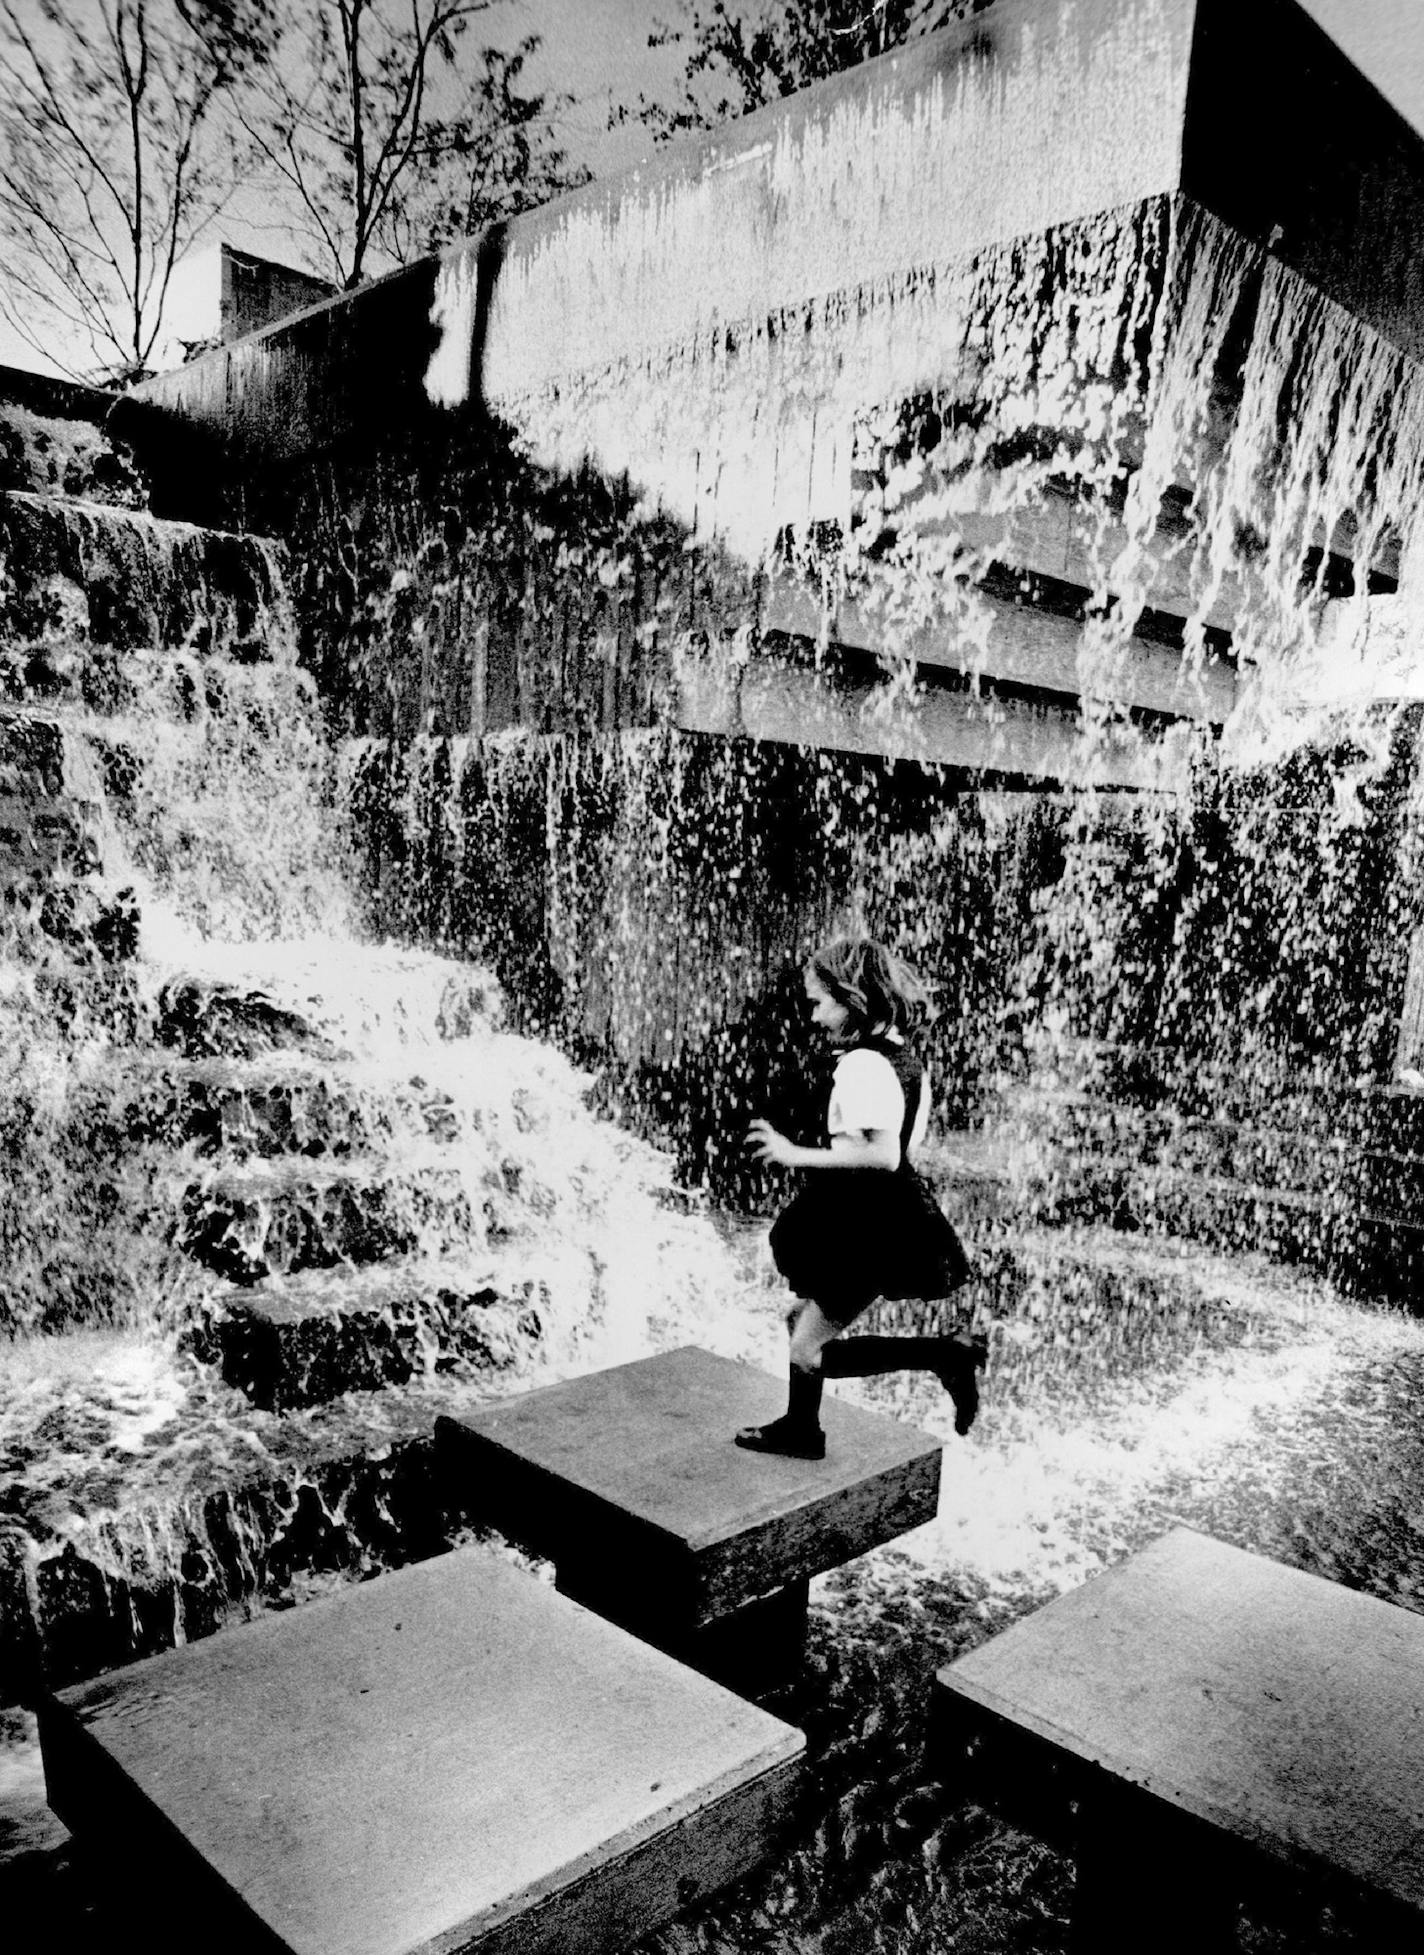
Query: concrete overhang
x=714, y=324
x=1030, y=115
x=985, y=738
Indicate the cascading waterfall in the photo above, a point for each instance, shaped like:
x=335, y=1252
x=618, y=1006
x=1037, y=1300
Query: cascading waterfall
x=1241, y=459
x=216, y=1093
x=1167, y=1019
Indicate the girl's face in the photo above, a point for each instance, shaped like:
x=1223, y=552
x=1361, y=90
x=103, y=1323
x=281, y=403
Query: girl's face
x=828, y=1014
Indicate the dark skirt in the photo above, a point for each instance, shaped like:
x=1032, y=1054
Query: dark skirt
x=851, y=1235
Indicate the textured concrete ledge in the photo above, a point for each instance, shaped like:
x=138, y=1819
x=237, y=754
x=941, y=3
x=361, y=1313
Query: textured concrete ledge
x=1276, y=1710
x=1030, y=115
x=1021, y=118
x=451, y=1757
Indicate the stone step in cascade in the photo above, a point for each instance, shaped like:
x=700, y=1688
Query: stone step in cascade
x=1325, y=1173
x=86, y=581
x=290, y=1103
x=125, y=1557
x=329, y=1471
x=292, y=1214
x=306, y=1339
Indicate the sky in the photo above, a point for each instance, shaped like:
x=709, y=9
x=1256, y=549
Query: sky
x=597, y=51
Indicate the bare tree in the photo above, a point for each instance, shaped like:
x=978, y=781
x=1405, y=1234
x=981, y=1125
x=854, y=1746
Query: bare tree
x=392, y=133
x=116, y=157
x=740, y=56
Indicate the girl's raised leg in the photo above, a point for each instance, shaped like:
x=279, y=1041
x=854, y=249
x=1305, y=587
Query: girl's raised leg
x=955, y=1360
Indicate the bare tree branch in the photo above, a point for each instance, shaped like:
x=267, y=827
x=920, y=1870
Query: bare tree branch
x=741, y=56
x=372, y=114
x=117, y=152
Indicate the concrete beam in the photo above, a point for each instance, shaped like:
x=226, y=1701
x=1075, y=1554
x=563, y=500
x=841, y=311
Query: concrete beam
x=1031, y=114
x=803, y=706
x=1005, y=213
x=1034, y=114
x=256, y=292
x=1017, y=643
x=1067, y=539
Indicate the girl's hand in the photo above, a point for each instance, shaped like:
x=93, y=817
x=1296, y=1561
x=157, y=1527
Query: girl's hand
x=768, y=1145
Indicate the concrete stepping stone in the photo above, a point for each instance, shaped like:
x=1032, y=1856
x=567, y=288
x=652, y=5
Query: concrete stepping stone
x=449, y=1757
x=1208, y=1710
x=627, y=1479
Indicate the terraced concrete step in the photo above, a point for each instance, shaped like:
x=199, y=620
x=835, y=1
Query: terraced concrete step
x=362, y=999
x=302, y=1340
x=282, y=1216
x=205, y=1509
x=122, y=578
x=290, y=1103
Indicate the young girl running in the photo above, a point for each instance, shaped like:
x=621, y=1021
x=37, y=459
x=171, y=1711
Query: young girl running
x=864, y=1224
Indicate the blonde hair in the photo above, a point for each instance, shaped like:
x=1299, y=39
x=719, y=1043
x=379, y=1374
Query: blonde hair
x=875, y=986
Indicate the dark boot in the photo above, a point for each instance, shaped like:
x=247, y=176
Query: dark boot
x=954, y=1360
x=797, y=1433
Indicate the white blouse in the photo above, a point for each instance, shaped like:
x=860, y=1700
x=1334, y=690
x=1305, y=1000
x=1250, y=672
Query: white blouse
x=866, y=1094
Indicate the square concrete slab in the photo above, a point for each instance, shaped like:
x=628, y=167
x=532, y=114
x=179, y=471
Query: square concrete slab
x=449, y=1757
x=1283, y=1710
x=629, y=1476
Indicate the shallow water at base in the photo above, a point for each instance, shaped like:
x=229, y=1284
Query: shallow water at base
x=1301, y=1443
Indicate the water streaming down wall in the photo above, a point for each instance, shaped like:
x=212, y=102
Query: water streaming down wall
x=1240, y=934
x=1147, y=998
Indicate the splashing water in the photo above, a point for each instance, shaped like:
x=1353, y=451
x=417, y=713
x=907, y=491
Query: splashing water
x=240, y=1101
x=1130, y=985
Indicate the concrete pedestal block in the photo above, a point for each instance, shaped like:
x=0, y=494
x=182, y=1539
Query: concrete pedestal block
x=757, y=1650
x=1149, y=1878
x=452, y=1757
x=1222, y=1724
x=628, y=1481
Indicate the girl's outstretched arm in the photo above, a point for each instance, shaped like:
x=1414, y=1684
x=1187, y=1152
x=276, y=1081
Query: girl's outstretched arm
x=873, y=1147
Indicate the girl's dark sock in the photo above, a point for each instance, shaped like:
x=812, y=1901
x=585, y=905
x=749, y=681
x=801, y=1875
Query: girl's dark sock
x=803, y=1396
x=954, y=1359
x=866, y=1357
x=797, y=1433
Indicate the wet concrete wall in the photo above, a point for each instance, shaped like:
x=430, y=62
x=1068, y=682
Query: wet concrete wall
x=255, y=292
x=534, y=483
x=1177, y=1014
x=1028, y=116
